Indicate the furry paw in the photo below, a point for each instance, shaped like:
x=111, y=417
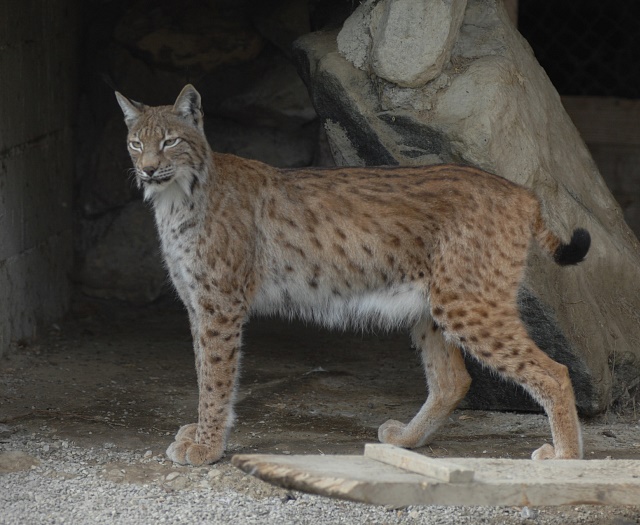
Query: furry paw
x=546, y=451
x=187, y=432
x=186, y=451
x=393, y=432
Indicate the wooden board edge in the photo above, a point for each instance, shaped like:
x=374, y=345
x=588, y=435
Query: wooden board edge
x=394, y=495
x=439, y=469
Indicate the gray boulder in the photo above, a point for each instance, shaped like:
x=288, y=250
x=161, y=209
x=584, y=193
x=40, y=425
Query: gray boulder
x=406, y=42
x=126, y=263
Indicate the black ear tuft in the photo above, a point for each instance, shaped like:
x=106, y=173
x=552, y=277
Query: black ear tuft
x=189, y=105
x=576, y=250
x=131, y=109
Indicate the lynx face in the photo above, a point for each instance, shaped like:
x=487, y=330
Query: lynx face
x=160, y=143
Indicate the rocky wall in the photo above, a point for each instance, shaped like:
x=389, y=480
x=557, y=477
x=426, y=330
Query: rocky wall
x=38, y=60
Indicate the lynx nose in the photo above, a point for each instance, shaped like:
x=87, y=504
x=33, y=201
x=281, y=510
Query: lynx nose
x=149, y=170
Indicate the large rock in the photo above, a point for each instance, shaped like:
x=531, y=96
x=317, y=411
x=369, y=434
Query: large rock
x=494, y=107
x=126, y=264
x=406, y=42
x=189, y=36
x=277, y=98
x=279, y=147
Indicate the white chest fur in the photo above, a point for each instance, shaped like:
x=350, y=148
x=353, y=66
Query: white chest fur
x=177, y=224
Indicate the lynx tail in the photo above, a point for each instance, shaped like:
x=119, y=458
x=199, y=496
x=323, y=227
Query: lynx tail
x=575, y=251
x=564, y=254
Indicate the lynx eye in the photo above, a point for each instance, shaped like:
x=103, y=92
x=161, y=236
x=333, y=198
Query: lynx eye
x=135, y=145
x=170, y=143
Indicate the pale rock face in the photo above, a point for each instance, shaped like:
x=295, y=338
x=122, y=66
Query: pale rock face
x=354, y=39
x=406, y=42
x=414, y=39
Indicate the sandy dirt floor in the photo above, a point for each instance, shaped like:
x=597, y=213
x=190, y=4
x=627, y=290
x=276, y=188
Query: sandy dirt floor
x=114, y=378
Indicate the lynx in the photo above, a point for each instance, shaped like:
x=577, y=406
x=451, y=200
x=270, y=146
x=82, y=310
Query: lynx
x=440, y=250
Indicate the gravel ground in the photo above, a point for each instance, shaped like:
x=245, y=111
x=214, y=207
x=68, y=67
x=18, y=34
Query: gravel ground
x=48, y=480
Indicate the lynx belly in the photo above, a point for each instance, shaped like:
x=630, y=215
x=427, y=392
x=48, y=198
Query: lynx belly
x=395, y=306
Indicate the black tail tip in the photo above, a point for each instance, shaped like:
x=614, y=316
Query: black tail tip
x=576, y=250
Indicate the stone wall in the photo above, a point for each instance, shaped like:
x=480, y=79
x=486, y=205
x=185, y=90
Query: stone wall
x=38, y=49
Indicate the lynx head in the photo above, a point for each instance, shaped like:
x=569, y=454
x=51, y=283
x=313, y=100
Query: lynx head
x=166, y=143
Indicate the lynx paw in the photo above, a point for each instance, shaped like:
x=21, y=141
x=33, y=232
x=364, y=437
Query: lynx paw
x=395, y=433
x=546, y=451
x=185, y=451
x=187, y=432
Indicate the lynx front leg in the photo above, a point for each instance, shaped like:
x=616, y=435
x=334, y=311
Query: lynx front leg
x=447, y=380
x=217, y=359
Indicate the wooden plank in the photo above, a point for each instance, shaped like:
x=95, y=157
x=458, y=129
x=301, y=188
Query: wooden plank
x=605, y=120
x=354, y=478
x=437, y=468
x=495, y=482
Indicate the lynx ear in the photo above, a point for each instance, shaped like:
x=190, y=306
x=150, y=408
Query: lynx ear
x=130, y=108
x=188, y=106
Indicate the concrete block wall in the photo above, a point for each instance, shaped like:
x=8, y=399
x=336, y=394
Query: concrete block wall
x=38, y=79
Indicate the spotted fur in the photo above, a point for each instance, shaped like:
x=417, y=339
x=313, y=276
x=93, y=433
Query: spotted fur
x=440, y=250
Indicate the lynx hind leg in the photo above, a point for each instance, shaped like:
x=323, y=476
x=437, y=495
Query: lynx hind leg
x=447, y=382
x=495, y=335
